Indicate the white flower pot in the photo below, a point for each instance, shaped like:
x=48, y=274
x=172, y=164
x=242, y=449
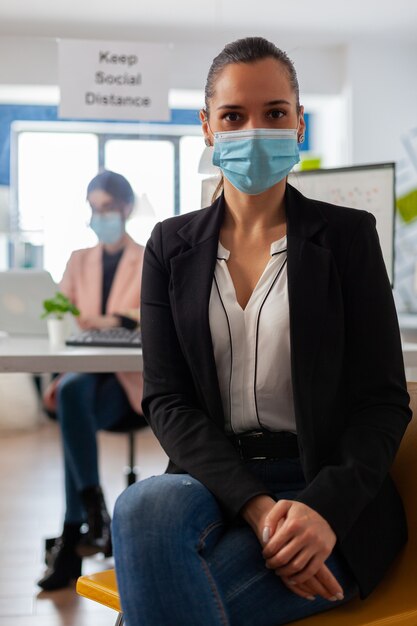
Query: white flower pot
x=58, y=331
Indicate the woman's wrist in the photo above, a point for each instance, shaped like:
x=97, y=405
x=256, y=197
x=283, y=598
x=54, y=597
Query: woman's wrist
x=255, y=511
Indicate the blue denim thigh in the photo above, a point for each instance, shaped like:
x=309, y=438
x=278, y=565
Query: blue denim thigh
x=160, y=527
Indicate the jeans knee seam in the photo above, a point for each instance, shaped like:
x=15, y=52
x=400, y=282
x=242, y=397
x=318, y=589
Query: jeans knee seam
x=223, y=616
x=239, y=590
x=206, y=532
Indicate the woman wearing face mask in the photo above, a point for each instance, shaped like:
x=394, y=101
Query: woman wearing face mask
x=273, y=379
x=104, y=282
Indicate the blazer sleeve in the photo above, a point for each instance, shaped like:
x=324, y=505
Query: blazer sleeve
x=375, y=389
x=190, y=438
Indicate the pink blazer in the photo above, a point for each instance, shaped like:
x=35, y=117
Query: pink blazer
x=82, y=284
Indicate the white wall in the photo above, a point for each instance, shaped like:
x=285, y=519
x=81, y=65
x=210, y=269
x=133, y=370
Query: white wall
x=34, y=61
x=382, y=95
x=28, y=61
x=383, y=99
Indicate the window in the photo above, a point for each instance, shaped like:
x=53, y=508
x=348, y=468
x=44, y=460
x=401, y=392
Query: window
x=191, y=149
x=54, y=171
x=149, y=167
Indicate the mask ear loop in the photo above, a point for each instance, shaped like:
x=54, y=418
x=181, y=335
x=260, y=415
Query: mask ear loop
x=219, y=188
x=206, y=139
x=300, y=138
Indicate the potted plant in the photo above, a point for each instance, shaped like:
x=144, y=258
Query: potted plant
x=56, y=310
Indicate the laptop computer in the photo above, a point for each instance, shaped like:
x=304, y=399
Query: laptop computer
x=22, y=292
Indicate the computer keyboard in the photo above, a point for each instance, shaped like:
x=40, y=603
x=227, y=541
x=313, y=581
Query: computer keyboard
x=109, y=337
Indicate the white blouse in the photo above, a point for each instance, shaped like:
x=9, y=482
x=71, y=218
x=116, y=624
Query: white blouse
x=252, y=347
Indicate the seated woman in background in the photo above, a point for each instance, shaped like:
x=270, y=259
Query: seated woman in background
x=104, y=282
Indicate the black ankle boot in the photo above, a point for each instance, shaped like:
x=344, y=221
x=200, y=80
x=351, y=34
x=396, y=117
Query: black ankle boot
x=49, y=546
x=64, y=564
x=98, y=537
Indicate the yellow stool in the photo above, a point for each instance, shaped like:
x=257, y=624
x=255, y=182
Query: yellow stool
x=394, y=602
x=102, y=588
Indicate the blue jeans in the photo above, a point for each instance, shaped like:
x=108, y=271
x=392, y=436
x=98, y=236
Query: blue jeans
x=86, y=403
x=180, y=563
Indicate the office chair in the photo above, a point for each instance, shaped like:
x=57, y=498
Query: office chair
x=130, y=424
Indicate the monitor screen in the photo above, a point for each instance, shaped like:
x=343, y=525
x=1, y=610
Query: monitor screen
x=369, y=187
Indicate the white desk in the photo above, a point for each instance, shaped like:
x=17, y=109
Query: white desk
x=18, y=354
x=410, y=354
x=27, y=354
x=408, y=327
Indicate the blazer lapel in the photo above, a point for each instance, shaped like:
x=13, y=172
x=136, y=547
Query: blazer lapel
x=191, y=279
x=308, y=280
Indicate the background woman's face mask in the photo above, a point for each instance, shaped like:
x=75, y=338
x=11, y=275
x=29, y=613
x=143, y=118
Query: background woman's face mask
x=255, y=160
x=108, y=227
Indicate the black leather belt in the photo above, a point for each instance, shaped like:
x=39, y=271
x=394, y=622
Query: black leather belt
x=263, y=444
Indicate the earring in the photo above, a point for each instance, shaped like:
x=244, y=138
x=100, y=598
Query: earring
x=301, y=138
x=207, y=142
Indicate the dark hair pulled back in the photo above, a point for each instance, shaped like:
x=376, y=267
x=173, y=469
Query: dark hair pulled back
x=114, y=184
x=249, y=50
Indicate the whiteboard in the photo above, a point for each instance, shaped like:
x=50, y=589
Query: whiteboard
x=369, y=187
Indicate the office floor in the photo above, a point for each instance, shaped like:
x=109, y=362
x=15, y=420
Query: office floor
x=31, y=507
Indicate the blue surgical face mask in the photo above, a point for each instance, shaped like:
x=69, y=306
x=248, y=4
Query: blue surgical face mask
x=108, y=227
x=255, y=160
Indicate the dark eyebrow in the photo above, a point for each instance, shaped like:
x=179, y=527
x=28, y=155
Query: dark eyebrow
x=229, y=106
x=273, y=102
x=267, y=104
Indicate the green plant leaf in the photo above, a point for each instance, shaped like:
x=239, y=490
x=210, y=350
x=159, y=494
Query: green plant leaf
x=58, y=306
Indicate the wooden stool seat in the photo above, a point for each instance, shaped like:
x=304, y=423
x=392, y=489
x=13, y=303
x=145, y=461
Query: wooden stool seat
x=101, y=587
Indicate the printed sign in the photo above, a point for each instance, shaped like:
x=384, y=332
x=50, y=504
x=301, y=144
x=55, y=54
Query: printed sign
x=113, y=80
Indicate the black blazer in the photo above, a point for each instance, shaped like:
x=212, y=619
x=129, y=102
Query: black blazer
x=351, y=403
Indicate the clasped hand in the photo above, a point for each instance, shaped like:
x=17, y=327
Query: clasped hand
x=300, y=541
x=297, y=541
